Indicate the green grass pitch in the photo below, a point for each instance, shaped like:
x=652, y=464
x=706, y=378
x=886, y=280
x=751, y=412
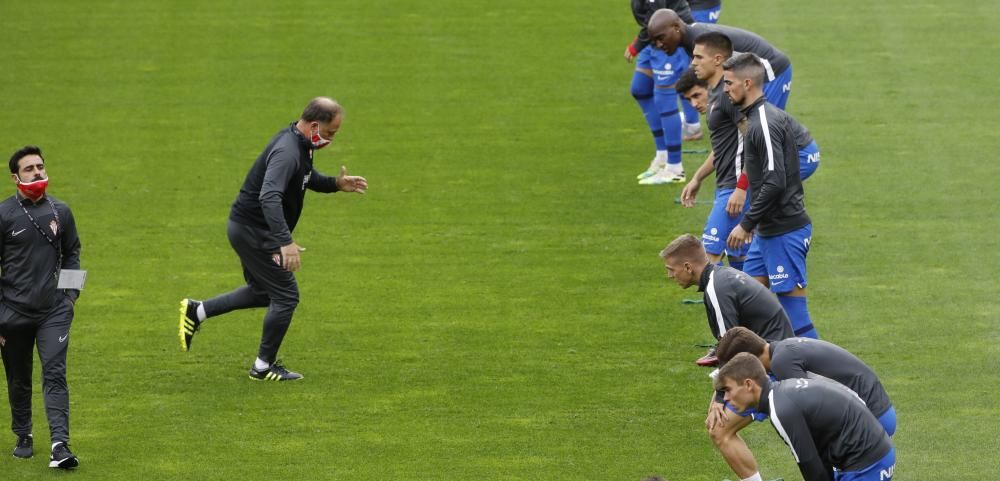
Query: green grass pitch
x=494, y=308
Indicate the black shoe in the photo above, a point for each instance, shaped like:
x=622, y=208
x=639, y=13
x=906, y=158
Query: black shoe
x=62, y=458
x=24, y=448
x=189, y=323
x=276, y=372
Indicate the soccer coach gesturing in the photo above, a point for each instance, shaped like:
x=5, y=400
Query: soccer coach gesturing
x=260, y=228
x=38, y=242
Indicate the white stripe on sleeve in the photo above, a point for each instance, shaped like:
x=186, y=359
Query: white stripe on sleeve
x=767, y=138
x=778, y=427
x=767, y=68
x=739, y=154
x=714, y=299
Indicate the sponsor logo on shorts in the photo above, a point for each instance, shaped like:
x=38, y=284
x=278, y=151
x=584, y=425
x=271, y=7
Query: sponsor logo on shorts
x=787, y=87
x=812, y=158
x=709, y=239
x=666, y=72
x=779, y=277
x=886, y=473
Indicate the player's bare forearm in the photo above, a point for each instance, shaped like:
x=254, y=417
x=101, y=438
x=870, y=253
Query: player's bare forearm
x=706, y=168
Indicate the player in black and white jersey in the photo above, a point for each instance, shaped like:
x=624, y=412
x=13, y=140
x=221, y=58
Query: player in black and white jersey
x=796, y=357
x=830, y=431
x=732, y=298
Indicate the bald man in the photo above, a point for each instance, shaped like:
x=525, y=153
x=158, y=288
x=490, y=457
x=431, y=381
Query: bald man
x=668, y=32
x=260, y=228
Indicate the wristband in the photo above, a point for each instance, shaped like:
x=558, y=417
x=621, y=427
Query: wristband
x=742, y=183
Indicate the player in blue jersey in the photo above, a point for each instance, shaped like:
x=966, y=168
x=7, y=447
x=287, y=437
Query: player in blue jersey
x=653, y=89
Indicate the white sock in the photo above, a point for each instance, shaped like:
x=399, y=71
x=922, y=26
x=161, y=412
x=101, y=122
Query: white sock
x=260, y=365
x=694, y=126
x=754, y=477
x=675, y=168
x=200, y=312
x=661, y=157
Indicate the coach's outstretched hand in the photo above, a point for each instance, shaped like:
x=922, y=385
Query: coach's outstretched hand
x=351, y=183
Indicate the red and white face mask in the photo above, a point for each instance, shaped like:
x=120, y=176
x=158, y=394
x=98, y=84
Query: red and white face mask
x=318, y=142
x=32, y=190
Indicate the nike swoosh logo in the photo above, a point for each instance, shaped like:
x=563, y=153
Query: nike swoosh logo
x=776, y=283
x=661, y=77
x=15, y=233
x=63, y=338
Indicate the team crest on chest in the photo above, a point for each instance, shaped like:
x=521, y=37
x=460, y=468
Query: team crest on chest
x=54, y=226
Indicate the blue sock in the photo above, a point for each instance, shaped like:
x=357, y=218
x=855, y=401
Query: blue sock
x=670, y=119
x=642, y=91
x=738, y=265
x=690, y=113
x=797, y=311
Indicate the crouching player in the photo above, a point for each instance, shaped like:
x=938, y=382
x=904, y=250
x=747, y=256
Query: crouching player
x=792, y=358
x=832, y=434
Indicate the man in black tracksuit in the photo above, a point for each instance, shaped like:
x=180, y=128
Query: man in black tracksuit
x=832, y=434
x=732, y=298
x=260, y=228
x=801, y=357
x=793, y=358
x=37, y=240
x=776, y=220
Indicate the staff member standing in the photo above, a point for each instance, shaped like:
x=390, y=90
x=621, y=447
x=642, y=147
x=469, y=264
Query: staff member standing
x=260, y=228
x=37, y=240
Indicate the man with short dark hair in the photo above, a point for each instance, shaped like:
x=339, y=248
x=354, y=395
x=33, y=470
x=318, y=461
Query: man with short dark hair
x=832, y=434
x=731, y=297
x=725, y=158
x=38, y=242
x=260, y=228
x=702, y=86
x=796, y=357
x=777, y=214
x=801, y=356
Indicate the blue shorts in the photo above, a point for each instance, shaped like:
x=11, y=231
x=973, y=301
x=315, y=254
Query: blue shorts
x=808, y=160
x=880, y=470
x=781, y=258
x=778, y=90
x=757, y=415
x=720, y=224
x=707, y=16
x=667, y=69
x=888, y=420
